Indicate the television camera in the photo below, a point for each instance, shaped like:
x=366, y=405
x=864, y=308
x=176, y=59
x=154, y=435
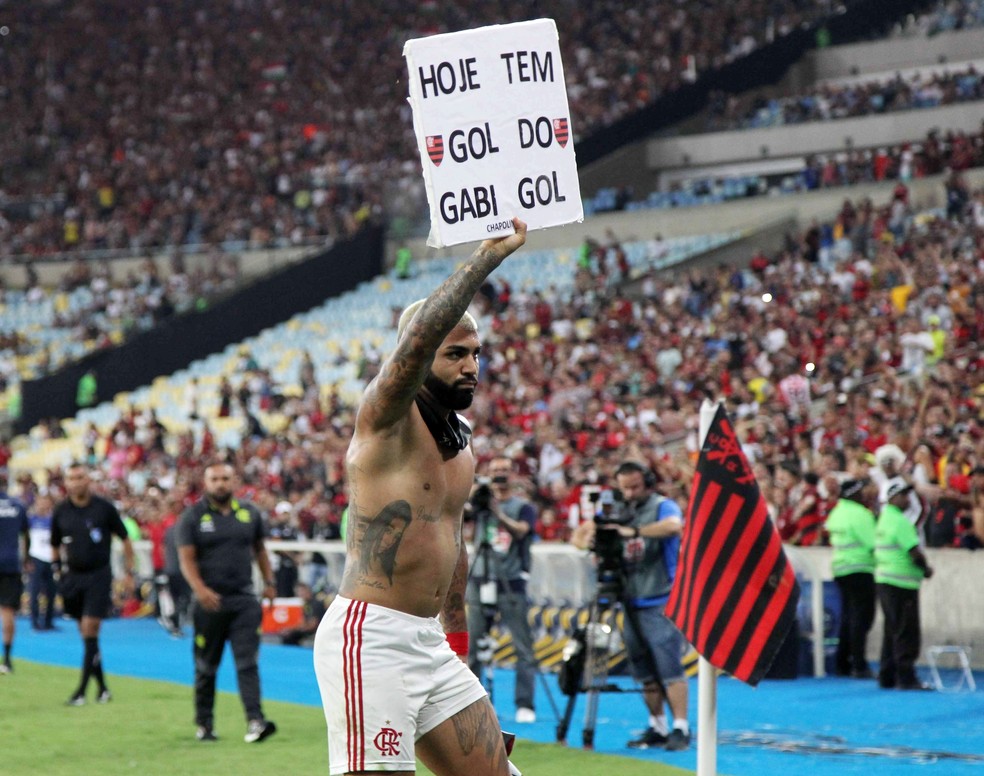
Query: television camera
x=586, y=655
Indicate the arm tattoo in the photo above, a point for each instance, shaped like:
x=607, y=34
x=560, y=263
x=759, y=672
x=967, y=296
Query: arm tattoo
x=404, y=371
x=381, y=537
x=453, y=614
x=356, y=524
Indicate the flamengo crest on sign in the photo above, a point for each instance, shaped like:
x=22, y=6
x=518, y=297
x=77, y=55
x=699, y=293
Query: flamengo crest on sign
x=493, y=129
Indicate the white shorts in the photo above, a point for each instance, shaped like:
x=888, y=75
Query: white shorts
x=387, y=678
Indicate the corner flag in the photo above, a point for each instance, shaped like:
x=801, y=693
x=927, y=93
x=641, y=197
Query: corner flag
x=734, y=597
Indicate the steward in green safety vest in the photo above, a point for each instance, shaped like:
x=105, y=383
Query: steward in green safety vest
x=899, y=561
x=900, y=567
x=851, y=526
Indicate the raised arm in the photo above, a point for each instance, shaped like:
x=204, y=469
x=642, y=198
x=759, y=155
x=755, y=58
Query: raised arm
x=388, y=397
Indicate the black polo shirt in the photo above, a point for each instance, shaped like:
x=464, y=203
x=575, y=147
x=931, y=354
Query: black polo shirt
x=86, y=532
x=223, y=544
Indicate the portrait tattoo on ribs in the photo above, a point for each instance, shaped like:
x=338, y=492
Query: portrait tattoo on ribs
x=381, y=538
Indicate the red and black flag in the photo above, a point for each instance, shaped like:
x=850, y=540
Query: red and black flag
x=561, y=131
x=435, y=149
x=734, y=596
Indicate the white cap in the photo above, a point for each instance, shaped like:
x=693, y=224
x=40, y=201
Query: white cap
x=896, y=485
x=889, y=452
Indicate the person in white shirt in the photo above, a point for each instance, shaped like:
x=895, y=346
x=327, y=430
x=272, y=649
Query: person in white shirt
x=889, y=459
x=917, y=344
x=41, y=583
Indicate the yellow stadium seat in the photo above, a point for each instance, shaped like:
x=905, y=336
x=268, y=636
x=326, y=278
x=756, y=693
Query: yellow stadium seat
x=222, y=425
x=275, y=423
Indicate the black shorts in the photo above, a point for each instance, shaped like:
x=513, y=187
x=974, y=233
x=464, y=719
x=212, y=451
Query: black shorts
x=11, y=590
x=86, y=593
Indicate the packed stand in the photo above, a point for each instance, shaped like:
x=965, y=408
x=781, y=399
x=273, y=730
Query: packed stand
x=832, y=101
x=267, y=124
x=946, y=16
x=852, y=353
x=863, y=333
x=938, y=152
x=45, y=328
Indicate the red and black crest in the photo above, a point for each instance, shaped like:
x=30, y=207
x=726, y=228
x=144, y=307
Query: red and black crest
x=561, y=132
x=435, y=148
x=735, y=593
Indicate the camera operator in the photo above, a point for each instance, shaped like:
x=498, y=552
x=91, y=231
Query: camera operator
x=504, y=530
x=649, y=527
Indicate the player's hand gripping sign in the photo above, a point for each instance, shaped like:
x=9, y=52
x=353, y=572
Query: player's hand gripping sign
x=494, y=130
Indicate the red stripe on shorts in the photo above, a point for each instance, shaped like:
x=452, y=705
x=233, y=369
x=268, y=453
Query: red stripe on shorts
x=355, y=615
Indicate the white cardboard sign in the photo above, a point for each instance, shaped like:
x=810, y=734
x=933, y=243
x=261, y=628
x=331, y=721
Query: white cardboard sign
x=494, y=130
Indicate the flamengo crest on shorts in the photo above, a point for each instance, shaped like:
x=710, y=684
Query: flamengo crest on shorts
x=387, y=740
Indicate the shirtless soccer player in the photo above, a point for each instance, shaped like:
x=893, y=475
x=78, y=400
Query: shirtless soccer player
x=395, y=684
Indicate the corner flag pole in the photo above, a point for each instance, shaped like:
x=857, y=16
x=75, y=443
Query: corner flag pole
x=735, y=593
x=706, y=673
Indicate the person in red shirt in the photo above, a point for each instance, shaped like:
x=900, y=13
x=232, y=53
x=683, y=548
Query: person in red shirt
x=808, y=517
x=875, y=432
x=159, y=521
x=542, y=313
x=759, y=263
x=787, y=491
x=550, y=529
x=799, y=519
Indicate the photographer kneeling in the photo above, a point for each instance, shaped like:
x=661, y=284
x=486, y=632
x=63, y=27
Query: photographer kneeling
x=504, y=530
x=649, y=527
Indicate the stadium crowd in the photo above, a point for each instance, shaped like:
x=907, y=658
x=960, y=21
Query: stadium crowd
x=853, y=348
x=832, y=101
x=91, y=197
x=938, y=152
x=90, y=309
x=251, y=124
x=947, y=16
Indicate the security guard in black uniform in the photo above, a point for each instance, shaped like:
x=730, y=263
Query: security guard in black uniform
x=218, y=538
x=82, y=530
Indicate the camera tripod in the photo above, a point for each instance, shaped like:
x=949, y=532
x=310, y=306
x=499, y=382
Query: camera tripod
x=586, y=658
x=588, y=654
x=487, y=597
x=486, y=646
